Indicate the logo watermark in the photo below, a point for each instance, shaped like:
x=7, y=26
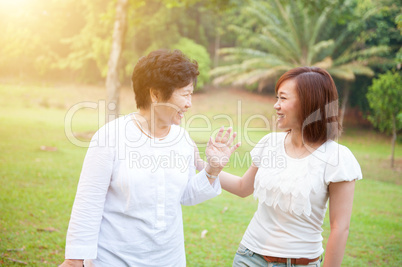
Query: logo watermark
x=195, y=124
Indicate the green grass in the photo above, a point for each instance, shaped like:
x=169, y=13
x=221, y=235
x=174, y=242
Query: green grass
x=38, y=187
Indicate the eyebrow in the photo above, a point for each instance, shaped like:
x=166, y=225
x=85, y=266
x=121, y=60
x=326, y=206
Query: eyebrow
x=188, y=90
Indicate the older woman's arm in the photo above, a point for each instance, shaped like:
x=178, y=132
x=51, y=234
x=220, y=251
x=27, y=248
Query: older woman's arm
x=199, y=163
x=86, y=215
x=340, y=212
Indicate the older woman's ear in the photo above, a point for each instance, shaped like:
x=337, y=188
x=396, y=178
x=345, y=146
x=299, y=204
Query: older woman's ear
x=154, y=95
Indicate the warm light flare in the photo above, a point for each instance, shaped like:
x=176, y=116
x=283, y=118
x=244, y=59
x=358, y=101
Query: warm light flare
x=12, y=4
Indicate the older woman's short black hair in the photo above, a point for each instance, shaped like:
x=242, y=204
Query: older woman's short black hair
x=164, y=71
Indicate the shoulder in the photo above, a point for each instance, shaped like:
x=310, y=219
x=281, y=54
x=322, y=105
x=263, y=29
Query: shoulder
x=336, y=153
x=113, y=130
x=272, y=139
x=341, y=165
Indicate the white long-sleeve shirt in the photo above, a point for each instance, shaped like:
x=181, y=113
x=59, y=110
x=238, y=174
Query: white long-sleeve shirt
x=127, y=210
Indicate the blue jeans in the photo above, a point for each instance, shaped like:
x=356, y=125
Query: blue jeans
x=245, y=257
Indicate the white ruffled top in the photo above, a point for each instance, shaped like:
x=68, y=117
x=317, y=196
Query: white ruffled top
x=292, y=195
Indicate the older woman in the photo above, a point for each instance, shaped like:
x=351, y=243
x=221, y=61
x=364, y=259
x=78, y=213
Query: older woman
x=139, y=170
x=310, y=168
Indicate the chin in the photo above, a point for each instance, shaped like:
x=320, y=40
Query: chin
x=176, y=121
x=280, y=126
x=283, y=128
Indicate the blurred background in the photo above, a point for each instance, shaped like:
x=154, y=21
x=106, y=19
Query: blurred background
x=63, y=55
x=247, y=44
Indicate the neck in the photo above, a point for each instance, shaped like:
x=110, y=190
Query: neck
x=295, y=138
x=152, y=124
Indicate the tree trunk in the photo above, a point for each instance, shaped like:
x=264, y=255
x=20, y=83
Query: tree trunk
x=198, y=23
x=112, y=79
x=393, y=141
x=345, y=99
x=217, y=45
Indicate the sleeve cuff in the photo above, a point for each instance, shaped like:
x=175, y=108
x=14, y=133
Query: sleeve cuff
x=213, y=189
x=81, y=252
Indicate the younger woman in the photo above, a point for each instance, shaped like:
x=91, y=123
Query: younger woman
x=293, y=175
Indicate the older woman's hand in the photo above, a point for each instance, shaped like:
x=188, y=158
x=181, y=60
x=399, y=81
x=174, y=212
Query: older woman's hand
x=72, y=263
x=219, y=151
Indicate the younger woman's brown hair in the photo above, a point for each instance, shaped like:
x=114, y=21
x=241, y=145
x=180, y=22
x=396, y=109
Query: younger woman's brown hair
x=318, y=103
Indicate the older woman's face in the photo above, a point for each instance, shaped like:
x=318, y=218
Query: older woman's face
x=172, y=111
x=288, y=106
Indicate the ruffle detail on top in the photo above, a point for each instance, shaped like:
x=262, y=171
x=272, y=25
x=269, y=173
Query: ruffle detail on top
x=288, y=186
x=290, y=189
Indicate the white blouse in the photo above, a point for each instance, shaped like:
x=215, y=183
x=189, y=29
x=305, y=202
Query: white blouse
x=293, y=195
x=127, y=210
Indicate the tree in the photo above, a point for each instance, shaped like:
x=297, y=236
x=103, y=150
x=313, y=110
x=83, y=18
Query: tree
x=277, y=36
x=380, y=28
x=91, y=48
x=385, y=98
x=112, y=78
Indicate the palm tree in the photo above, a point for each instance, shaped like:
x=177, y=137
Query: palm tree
x=278, y=37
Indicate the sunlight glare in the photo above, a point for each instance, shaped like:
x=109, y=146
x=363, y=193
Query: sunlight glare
x=8, y=4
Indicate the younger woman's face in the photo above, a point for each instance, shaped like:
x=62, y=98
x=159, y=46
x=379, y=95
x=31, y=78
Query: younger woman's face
x=288, y=106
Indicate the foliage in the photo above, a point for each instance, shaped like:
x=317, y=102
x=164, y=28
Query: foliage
x=280, y=35
x=31, y=34
x=72, y=38
x=198, y=53
x=385, y=98
x=358, y=91
x=90, y=48
x=152, y=24
x=380, y=27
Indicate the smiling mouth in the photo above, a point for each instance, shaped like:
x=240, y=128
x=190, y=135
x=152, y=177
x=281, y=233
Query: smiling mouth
x=280, y=116
x=181, y=114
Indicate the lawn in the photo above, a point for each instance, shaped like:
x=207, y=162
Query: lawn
x=41, y=161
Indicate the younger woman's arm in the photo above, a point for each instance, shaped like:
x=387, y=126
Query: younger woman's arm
x=240, y=186
x=340, y=212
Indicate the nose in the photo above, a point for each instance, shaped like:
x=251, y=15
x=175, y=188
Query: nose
x=276, y=105
x=188, y=103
